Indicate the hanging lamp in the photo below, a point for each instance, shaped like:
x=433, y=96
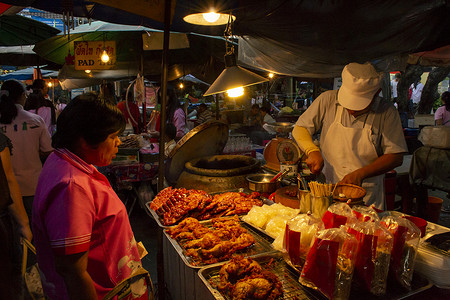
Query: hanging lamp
x=233, y=77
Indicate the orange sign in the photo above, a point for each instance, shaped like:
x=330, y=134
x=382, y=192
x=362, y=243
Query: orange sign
x=88, y=55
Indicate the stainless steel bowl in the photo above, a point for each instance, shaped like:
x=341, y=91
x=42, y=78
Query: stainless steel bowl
x=281, y=127
x=261, y=183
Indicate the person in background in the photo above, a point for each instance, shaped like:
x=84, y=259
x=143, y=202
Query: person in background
x=394, y=83
x=60, y=105
x=37, y=103
x=416, y=94
x=442, y=114
x=265, y=116
x=361, y=135
x=204, y=114
x=171, y=133
x=131, y=111
x=107, y=92
x=176, y=114
x=29, y=135
x=14, y=224
x=254, y=118
x=84, y=242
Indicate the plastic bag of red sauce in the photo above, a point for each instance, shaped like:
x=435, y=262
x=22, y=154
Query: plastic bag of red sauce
x=336, y=215
x=365, y=213
x=373, y=258
x=330, y=262
x=406, y=241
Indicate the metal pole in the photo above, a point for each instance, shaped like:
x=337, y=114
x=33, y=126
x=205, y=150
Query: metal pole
x=164, y=75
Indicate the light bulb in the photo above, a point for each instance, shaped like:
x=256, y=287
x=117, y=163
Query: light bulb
x=104, y=57
x=236, y=92
x=87, y=71
x=211, y=17
x=181, y=86
x=49, y=84
x=271, y=75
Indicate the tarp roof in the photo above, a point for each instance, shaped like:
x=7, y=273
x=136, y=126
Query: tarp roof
x=329, y=33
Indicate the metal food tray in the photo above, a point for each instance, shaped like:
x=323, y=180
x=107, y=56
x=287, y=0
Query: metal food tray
x=263, y=245
x=274, y=263
x=292, y=289
x=155, y=216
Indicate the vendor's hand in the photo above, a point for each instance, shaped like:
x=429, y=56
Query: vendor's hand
x=355, y=177
x=315, y=162
x=154, y=133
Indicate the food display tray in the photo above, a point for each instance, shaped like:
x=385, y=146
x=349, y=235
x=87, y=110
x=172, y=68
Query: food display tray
x=156, y=217
x=263, y=245
x=292, y=289
x=274, y=263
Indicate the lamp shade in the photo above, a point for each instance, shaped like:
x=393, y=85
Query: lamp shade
x=202, y=19
x=233, y=77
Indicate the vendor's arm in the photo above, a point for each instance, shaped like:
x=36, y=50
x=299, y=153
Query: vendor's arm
x=381, y=165
x=304, y=140
x=73, y=269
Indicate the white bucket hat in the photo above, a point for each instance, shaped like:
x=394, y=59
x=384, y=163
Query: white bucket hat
x=360, y=82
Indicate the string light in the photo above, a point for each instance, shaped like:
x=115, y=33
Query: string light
x=87, y=71
x=181, y=85
x=49, y=84
x=271, y=75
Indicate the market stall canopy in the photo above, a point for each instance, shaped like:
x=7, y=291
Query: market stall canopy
x=439, y=57
x=22, y=56
x=327, y=32
x=27, y=74
x=16, y=30
x=188, y=52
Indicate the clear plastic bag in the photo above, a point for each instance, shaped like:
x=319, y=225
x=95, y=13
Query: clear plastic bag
x=330, y=263
x=365, y=213
x=404, y=250
x=298, y=237
x=338, y=214
x=374, y=253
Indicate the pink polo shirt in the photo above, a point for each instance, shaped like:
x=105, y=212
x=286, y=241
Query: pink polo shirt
x=75, y=210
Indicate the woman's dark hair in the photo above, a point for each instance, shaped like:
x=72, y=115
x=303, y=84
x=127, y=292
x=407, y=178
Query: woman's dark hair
x=38, y=84
x=173, y=103
x=11, y=91
x=171, y=131
x=90, y=117
x=36, y=100
x=445, y=97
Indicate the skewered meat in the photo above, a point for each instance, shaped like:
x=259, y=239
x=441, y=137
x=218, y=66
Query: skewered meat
x=172, y=205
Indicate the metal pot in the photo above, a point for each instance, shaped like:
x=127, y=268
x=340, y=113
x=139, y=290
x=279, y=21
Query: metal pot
x=261, y=183
x=218, y=172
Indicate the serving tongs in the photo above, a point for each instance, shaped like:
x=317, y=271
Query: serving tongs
x=279, y=176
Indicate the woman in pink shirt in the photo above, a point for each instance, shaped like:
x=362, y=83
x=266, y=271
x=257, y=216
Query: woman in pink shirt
x=84, y=242
x=442, y=114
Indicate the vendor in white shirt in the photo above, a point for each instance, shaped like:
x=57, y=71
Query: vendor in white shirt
x=361, y=135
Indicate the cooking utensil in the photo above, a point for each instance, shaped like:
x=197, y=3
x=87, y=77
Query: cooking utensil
x=261, y=183
x=280, y=175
